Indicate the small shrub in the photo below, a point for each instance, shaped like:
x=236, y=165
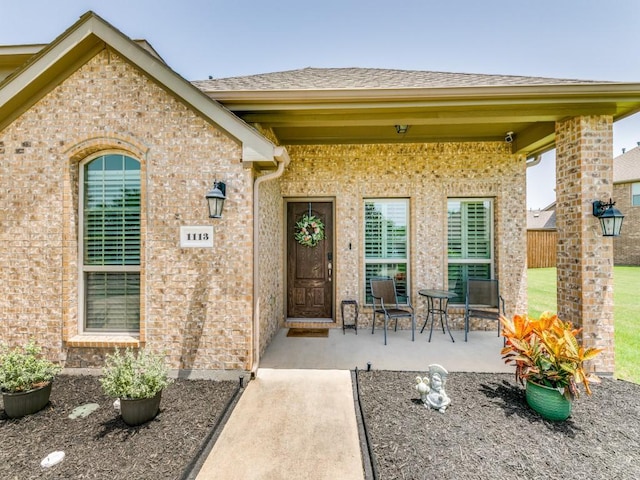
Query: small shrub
x=130, y=376
x=23, y=368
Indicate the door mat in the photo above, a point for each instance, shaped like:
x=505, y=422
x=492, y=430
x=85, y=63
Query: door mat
x=308, y=332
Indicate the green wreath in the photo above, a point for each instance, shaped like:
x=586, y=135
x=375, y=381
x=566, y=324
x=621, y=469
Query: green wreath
x=309, y=230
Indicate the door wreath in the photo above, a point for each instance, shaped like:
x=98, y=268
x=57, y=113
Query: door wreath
x=309, y=230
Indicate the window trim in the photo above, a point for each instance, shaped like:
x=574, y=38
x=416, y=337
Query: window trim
x=406, y=260
x=83, y=269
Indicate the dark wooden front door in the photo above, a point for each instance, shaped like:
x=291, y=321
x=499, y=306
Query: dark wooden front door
x=310, y=269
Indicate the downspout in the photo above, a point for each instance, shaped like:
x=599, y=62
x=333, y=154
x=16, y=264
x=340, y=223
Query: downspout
x=282, y=157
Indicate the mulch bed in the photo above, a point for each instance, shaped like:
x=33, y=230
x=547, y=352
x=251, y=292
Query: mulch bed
x=102, y=446
x=489, y=432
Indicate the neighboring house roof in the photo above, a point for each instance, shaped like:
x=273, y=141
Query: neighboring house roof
x=363, y=105
x=370, y=78
x=541, y=219
x=55, y=62
x=626, y=167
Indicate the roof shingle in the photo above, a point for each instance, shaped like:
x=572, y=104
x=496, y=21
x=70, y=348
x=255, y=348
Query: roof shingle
x=626, y=167
x=371, y=78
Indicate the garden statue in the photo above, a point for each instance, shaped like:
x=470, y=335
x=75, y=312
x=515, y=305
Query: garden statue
x=431, y=388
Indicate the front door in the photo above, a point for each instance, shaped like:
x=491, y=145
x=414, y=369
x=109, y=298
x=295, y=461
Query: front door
x=309, y=267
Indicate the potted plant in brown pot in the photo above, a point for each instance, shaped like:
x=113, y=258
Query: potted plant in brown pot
x=137, y=380
x=25, y=379
x=549, y=360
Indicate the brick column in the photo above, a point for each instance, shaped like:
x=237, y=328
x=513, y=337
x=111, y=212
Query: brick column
x=584, y=173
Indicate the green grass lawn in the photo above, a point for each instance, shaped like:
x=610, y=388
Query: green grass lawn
x=542, y=296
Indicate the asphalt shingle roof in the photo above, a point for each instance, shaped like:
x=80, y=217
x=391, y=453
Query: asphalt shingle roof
x=626, y=167
x=371, y=78
x=541, y=219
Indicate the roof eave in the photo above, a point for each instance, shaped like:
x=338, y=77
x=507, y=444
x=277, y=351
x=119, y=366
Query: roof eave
x=92, y=32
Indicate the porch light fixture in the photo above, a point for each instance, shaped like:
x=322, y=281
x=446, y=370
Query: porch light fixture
x=215, y=197
x=610, y=218
x=401, y=129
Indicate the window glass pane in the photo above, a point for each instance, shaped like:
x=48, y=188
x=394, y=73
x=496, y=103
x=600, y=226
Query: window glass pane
x=469, y=246
x=386, y=229
x=397, y=271
x=112, y=301
x=459, y=273
x=112, y=211
x=635, y=194
x=111, y=237
x=386, y=243
x=469, y=229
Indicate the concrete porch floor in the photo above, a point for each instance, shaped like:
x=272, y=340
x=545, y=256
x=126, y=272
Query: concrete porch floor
x=301, y=404
x=481, y=353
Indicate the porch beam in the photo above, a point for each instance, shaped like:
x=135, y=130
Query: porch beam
x=425, y=116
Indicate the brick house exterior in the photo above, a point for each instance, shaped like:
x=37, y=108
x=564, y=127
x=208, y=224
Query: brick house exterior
x=277, y=143
x=626, y=186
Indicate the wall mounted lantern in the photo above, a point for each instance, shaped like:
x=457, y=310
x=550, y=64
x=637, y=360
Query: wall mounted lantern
x=400, y=129
x=610, y=218
x=215, y=197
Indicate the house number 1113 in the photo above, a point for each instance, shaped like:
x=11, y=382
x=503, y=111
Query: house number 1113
x=196, y=236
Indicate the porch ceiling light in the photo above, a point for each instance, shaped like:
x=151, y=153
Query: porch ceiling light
x=610, y=218
x=215, y=198
x=402, y=129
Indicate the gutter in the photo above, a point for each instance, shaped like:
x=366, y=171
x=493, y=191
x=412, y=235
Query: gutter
x=533, y=161
x=282, y=157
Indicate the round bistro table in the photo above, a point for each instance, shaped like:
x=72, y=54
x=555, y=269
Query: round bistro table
x=437, y=304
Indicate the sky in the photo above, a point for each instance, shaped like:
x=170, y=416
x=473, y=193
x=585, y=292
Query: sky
x=580, y=39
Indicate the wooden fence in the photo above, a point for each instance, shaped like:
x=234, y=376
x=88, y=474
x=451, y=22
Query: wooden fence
x=541, y=248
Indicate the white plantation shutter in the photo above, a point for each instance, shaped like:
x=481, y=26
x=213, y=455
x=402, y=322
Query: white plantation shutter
x=470, y=242
x=386, y=242
x=111, y=243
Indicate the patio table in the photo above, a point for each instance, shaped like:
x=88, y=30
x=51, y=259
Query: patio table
x=437, y=304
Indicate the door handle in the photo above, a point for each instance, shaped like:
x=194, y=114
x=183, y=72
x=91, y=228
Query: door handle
x=330, y=268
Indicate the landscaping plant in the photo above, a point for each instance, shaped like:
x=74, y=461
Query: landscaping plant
x=132, y=376
x=546, y=351
x=23, y=368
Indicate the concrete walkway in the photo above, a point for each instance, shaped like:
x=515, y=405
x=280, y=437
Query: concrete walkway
x=290, y=424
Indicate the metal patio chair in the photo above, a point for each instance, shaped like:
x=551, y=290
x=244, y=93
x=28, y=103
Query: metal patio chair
x=385, y=302
x=482, y=300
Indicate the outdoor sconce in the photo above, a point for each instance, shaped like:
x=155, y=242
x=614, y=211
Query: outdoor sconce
x=402, y=129
x=610, y=218
x=215, y=197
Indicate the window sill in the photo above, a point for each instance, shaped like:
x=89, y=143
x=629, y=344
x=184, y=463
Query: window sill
x=103, y=341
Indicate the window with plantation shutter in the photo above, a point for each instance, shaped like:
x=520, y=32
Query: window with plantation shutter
x=386, y=243
x=635, y=194
x=469, y=242
x=110, y=217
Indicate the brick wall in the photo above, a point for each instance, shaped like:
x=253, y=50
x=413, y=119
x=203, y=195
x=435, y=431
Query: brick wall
x=584, y=173
x=626, y=247
x=427, y=174
x=197, y=303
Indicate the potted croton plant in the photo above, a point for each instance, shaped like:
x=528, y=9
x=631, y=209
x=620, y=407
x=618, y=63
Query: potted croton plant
x=137, y=380
x=549, y=358
x=25, y=379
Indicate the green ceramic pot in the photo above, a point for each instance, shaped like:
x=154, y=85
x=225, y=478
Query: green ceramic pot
x=548, y=402
x=19, y=404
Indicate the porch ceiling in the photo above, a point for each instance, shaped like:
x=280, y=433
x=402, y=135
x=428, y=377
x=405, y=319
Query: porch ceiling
x=432, y=114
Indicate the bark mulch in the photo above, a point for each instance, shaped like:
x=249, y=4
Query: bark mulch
x=489, y=432
x=102, y=446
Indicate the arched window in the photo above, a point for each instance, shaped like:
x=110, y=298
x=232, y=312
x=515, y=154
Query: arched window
x=110, y=244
